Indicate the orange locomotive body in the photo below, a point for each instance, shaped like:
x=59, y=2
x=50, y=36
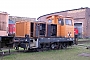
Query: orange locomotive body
x=65, y=25
x=25, y=28
x=34, y=29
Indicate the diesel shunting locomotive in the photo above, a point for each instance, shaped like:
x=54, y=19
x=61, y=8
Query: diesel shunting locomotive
x=56, y=32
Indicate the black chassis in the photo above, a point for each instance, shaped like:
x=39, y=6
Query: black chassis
x=24, y=41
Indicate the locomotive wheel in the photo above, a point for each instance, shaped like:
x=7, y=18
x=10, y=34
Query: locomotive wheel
x=61, y=46
x=64, y=46
x=52, y=46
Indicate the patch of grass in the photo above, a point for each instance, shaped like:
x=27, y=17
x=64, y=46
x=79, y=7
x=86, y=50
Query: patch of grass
x=83, y=39
x=70, y=53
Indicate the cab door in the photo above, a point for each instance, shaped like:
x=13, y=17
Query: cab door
x=61, y=28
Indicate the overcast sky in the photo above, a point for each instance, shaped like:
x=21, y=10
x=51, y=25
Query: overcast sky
x=36, y=8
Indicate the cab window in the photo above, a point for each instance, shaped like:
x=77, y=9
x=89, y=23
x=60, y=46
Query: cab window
x=68, y=22
x=60, y=21
x=50, y=21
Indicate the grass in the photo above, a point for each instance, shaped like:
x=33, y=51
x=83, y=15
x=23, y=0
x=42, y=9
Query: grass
x=66, y=54
x=83, y=39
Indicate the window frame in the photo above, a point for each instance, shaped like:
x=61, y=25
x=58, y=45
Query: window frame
x=49, y=20
x=70, y=20
x=62, y=21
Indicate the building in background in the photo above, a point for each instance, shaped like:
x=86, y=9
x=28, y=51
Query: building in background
x=81, y=18
x=16, y=18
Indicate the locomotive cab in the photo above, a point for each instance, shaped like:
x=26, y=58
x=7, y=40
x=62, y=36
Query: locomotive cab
x=67, y=27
